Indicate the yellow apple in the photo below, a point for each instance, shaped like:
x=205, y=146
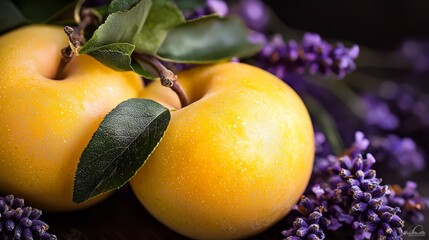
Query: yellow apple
x=45, y=124
x=234, y=161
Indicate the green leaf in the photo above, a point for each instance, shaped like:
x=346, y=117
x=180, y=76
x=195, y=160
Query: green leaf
x=207, y=39
x=119, y=27
x=116, y=56
x=121, y=5
x=141, y=23
x=163, y=17
x=141, y=69
x=120, y=146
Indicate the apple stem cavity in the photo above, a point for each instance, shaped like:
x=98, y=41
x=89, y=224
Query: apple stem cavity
x=167, y=77
x=76, y=39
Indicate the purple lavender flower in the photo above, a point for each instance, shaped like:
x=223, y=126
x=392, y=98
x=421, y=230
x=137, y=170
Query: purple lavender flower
x=312, y=54
x=345, y=191
x=319, y=139
x=378, y=113
x=311, y=226
x=410, y=104
x=409, y=201
x=254, y=13
x=361, y=142
x=401, y=153
x=20, y=222
x=361, y=190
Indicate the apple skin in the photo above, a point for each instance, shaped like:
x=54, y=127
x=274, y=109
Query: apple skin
x=46, y=123
x=234, y=161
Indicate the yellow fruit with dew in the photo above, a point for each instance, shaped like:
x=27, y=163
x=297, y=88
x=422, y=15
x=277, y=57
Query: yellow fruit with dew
x=234, y=161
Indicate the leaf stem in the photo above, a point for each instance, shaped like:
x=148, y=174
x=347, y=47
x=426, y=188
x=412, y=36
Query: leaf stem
x=76, y=38
x=167, y=77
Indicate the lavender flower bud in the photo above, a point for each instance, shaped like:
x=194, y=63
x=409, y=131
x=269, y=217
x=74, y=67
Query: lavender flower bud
x=20, y=222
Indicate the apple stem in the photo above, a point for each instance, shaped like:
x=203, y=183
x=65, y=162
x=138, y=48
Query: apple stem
x=76, y=38
x=167, y=77
x=66, y=56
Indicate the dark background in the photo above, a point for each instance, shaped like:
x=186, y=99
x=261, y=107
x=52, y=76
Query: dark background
x=374, y=23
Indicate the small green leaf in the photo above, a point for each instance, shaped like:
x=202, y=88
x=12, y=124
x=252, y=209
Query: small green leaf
x=116, y=56
x=119, y=27
x=120, y=146
x=163, y=17
x=141, y=23
x=207, y=39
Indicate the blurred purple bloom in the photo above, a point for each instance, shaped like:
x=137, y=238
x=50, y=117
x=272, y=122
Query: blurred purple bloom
x=217, y=6
x=400, y=153
x=408, y=102
x=312, y=54
x=361, y=142
x=417, y=52
x=378, y=113
x=319, y=139
x=253, y=12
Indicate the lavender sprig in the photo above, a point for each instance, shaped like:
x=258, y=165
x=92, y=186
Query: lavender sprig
x=312, y=54
x=345, y=191
x=20, y=222
x=361, y=192
x=311, y=224
x=409, y=201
